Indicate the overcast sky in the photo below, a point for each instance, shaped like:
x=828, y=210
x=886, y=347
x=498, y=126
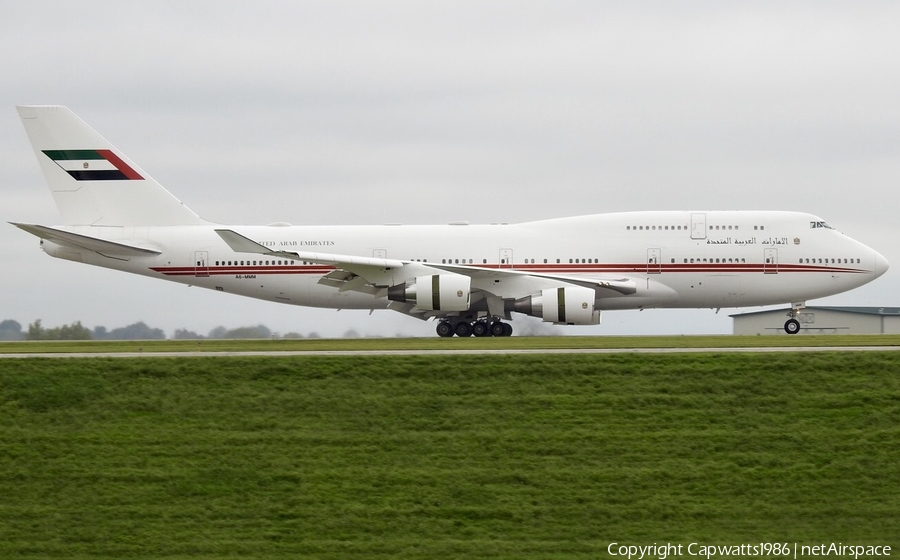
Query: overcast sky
x=431, y=112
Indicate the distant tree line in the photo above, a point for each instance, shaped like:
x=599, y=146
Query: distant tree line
x=12, y=330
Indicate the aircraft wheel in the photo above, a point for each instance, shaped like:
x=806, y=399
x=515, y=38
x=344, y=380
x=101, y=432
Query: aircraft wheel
x=792, y=326
x=480, y=328
x=463, y=329
x=507, y=329
x=498, y=329
x=444, y=329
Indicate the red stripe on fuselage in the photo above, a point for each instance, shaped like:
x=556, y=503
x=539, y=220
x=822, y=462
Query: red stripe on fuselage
x=537, y=268
x=228, y=270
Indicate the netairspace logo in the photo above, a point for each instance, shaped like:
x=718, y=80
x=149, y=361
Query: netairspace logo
x=771, y=550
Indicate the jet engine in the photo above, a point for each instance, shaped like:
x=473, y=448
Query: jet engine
x=573, y=305
x=437, y=292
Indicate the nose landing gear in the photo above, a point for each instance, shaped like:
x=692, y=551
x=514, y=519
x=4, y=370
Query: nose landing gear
x=792, y=325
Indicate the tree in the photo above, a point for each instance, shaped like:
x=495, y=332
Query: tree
x=11, y=330
x=218, y=332
x=136, y=331
x=75, y=331
x=259, y=331
x=35, y=331
x=184, y=334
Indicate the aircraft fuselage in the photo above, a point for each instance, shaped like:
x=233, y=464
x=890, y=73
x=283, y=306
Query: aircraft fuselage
x=679, y=259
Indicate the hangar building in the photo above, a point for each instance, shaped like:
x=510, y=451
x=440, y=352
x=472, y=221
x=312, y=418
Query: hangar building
x=822, y=320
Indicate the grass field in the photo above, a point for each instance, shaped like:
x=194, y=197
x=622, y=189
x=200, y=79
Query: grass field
x=434, y=343
x=533, y=456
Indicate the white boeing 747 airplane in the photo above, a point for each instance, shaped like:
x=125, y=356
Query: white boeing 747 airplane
x=470, y=278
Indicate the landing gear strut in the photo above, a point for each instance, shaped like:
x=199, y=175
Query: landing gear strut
x=462, y=329
x=792, y=325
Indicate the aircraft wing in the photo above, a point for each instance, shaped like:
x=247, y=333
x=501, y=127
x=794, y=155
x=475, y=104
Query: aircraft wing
x=375, y=275
x=84, y=242
x=242, y=244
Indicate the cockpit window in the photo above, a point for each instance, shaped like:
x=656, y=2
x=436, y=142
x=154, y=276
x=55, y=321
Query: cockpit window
x=815, y=225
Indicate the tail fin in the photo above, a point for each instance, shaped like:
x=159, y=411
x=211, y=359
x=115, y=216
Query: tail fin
x=91, y=181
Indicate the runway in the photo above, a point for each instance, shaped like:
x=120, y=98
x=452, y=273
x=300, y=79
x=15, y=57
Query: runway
x=448, y=352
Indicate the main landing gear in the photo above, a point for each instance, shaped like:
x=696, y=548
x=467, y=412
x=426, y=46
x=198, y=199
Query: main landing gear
x=792, y=325
x=462, y=329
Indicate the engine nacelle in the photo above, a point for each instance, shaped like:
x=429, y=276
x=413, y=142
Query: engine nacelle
x=438, y=292
x=572, y=305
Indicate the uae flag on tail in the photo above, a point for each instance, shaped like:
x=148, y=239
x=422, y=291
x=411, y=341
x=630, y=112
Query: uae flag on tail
x=93, y=165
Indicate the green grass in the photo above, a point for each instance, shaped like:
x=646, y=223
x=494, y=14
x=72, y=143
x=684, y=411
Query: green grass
x=539, y=456
x=550, y=342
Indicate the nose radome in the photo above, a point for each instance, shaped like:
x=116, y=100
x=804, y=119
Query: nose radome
x=881, y=264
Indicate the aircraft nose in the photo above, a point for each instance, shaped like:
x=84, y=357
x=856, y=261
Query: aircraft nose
x=881, y=264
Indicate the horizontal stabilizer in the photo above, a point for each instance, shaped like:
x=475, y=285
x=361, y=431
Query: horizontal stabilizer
x=74, y=240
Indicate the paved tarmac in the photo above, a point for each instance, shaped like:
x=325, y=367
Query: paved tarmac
x=754, y=350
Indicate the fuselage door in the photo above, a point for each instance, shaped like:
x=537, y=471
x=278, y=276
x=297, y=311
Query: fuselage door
x=506, y=258
x=770, y=261
x=698, y=226
x=654, y=261
x=201, y=264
